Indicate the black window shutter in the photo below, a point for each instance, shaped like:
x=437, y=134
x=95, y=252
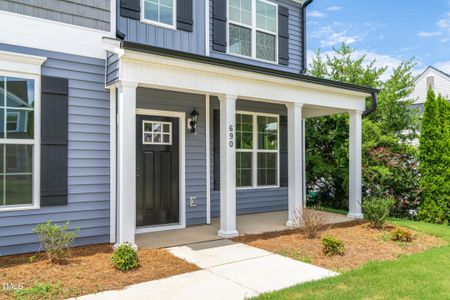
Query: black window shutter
x=283, y=35
x=130, y=9
x=283, y=152
x=216, y=134
x=184, y=15
x=54, y=140
x=220, y=25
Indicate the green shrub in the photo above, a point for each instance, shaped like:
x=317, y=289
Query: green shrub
x=401, y=235
x=434, y=154
x=332, y=246
x=125, y=258
x=39, y=291
x=56, y=240
x=377, y=210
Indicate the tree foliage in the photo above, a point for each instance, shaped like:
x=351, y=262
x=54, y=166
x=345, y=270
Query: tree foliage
x=435, y=160
x=389, y=164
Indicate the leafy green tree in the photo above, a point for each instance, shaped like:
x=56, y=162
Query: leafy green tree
x=435, y=160
x=389, y=166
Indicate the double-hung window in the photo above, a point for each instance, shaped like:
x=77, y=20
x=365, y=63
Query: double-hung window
x=253, y=29
x=257, y=150
x=159, y=12
x=18, y=142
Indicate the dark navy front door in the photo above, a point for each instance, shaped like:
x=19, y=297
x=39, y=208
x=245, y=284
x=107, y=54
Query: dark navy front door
x=157, y=170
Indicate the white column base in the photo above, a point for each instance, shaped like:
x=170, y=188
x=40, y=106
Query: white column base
x=290, y=224
x=355, y=216
x=228, y=234
x=133, y=246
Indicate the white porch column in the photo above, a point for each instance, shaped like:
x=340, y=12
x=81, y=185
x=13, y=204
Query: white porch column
x=355, y=142
x=227, y=166
x=295, y=157
x=126, y=162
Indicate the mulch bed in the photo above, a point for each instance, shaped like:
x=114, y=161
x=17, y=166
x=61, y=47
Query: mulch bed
x=90, y=270
x=362, y=244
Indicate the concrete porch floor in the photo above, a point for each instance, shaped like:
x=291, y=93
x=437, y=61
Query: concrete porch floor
x=246, y=224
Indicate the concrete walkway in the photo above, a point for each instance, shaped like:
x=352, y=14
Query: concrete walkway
x=229, y=271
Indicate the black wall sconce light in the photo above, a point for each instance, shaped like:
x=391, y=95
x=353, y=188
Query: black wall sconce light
x=193, y=120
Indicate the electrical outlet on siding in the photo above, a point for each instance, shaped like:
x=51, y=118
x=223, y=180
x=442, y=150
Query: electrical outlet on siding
x=192, y=201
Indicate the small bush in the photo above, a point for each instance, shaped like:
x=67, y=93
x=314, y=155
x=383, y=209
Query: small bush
x=56, y=240
x=377, y=210
x=310, y=221
x=125, y=258
x=332, y=246
x=401, y=235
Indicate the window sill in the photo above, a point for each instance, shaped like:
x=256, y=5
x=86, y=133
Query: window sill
x=250, y=58
x=257, y=187
x=18, y=208
x=158, y=24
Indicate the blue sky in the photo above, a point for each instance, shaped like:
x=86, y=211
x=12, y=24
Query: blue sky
x=389, y=30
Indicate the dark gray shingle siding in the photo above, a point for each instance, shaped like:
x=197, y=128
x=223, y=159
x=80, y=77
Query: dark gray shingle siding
x=88, y=13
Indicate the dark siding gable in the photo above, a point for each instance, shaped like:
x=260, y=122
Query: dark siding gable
x=54, y=140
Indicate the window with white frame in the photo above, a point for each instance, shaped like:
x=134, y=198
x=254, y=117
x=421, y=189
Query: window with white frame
x=156, y=133
x=257, y=150
x=159, y=12
x=17, y=141
x=253, y=29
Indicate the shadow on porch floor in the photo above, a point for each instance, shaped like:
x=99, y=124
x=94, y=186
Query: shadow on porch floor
x=246, y=224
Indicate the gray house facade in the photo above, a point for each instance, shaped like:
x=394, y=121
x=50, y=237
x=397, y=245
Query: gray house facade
x=147, y=116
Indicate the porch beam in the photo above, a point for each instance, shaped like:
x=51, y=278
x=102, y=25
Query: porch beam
x=227, y=166
x=126, y=166
x=355, y=164
x=295, y=157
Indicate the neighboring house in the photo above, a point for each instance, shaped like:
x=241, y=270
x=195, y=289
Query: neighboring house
x=151, y=115
x=433, y=78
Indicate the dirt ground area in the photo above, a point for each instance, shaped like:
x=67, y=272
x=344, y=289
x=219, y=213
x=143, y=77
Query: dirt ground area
x=362, y=244
x=89, y=270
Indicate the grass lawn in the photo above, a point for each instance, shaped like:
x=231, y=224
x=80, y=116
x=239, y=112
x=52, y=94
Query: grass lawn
x=419, y=276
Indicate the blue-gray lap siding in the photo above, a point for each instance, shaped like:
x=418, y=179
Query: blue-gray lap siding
x=195, y=143
x=87, y=13
x=249, y=200
x=88, y=154
x=295, y=40
x=147, y=34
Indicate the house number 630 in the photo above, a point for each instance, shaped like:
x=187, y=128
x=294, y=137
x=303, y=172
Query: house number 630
x=231, y=135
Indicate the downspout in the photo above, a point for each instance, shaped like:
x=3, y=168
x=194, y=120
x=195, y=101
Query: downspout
x=119, y=34
x=373, y=107
x=305, y=61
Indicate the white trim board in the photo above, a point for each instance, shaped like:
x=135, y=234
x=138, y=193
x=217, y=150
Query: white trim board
x=156, y=71
x=51, y=35
x=182, y=171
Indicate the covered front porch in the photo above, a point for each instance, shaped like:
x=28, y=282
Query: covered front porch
x=246, y=224
x=153, y=89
